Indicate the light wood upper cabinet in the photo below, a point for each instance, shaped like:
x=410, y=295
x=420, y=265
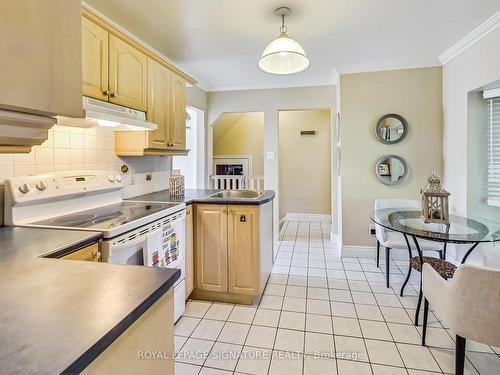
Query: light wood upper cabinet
x=211, y=248
x=95, y=45
x=128, y=75
x=243, y=249
x=41, y=57
x=177, y=134
x=189, y=251
x=120, y=70
x=158, y=104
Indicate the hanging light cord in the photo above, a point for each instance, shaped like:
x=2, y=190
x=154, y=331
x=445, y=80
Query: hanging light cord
x=283, y=28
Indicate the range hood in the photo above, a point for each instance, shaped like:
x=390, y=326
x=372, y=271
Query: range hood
x=105, y=114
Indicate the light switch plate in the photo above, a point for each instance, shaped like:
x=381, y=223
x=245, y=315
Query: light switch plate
x=270, y=155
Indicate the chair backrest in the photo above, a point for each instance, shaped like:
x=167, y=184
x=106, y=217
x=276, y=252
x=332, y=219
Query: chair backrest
x=474, y=311
x=381, y=204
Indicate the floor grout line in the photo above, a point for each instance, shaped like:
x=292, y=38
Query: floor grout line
x=309, y=256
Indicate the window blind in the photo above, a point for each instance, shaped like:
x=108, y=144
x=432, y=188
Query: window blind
x=494, y=151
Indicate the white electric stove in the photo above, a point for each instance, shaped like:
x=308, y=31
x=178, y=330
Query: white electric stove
x=140, y=233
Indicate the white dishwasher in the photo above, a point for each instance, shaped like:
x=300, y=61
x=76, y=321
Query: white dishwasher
x=158, y=244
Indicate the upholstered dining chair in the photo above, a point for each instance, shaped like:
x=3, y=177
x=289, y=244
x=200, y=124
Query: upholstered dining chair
x=469, y=303
x=394, y=240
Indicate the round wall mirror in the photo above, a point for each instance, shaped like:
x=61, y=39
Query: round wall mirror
x=391, y=169
x=391, y=128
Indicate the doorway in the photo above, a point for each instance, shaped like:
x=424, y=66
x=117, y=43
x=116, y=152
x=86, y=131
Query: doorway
x=238, y=150
x=192, y=166
x=305, y=167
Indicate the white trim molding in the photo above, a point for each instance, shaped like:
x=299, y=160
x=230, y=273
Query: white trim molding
x=324, y=218
x=475, y=36
x=371, y=252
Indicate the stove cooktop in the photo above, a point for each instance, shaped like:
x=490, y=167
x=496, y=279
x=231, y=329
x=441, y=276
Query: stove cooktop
x=106, y=217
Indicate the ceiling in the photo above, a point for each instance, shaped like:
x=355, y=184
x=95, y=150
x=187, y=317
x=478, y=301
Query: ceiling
x=219, y=42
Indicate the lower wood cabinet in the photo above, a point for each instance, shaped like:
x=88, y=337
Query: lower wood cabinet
x=189, y=273
x=233, y=251
x=151, y=334
x=243, y=250
x=211, y=248
x=90, y=254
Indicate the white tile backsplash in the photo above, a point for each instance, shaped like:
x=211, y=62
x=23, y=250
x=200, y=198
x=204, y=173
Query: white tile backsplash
x=70, y=148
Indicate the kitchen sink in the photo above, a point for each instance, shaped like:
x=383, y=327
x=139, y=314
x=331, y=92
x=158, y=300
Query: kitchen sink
x=238, y=194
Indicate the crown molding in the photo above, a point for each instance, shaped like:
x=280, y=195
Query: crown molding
x=475, y=36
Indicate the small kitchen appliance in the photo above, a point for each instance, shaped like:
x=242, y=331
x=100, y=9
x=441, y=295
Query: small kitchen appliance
x=133, y=232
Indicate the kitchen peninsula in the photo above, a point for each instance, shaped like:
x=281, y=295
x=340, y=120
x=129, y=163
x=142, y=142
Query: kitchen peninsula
x=229, y=242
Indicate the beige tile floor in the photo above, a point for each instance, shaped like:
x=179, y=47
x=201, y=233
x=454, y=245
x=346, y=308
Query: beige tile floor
x=321, y=314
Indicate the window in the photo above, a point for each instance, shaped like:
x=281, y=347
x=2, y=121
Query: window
x=493, y=150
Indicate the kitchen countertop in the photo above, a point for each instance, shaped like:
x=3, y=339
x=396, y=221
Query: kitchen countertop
x=57, y=316
x=203, y=196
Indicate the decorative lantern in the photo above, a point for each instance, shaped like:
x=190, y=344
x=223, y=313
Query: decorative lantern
x=435, y=207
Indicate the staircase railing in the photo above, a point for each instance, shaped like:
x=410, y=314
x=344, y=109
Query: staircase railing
x=223, y=182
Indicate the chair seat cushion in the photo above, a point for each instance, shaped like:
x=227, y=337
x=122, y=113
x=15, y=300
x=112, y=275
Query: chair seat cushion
x=443, y=267
x=396, y=240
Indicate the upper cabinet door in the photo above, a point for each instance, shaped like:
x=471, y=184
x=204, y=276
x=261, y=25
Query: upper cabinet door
x=177, y=135
x=128, y=74
x=158, y=104
x=95, y=60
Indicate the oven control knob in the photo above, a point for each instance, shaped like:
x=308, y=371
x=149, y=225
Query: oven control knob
x=111, y=178
x=24, y=188
x=118, y=178
x=41, y=185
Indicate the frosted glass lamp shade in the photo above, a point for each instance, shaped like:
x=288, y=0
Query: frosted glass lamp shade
x=284, y=56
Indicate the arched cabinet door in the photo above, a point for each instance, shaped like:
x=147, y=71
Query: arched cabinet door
x=158, y=104
x=128, y=75
x=177, y=134
x=95, y=43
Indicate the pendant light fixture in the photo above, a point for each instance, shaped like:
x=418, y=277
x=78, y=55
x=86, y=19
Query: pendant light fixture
x=283, y=55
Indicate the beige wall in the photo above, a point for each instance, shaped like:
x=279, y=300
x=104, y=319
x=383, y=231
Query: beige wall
x=305, y=162
x=241, y=134
x=416, y=95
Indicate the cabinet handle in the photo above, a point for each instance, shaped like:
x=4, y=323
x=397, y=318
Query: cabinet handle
x=113, y=94
x=96, y=255
x=106, y=92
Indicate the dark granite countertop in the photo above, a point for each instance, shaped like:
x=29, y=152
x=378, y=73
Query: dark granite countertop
x=57, y=316
x=203, y=196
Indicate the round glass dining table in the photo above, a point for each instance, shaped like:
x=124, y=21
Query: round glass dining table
x=461, y=230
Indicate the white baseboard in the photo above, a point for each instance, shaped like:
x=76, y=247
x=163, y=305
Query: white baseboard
x=334, y=237
x=308, y=217
x=371, y=252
